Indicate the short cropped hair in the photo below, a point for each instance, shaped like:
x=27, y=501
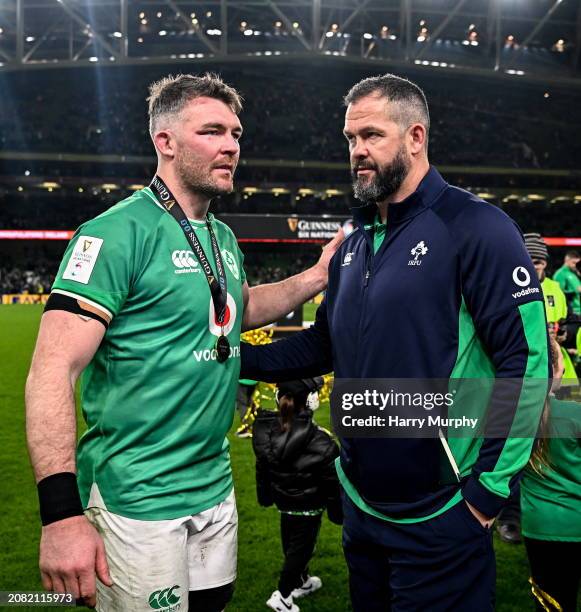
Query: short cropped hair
x=409, y=104
x=573, y=254
x=169, y=95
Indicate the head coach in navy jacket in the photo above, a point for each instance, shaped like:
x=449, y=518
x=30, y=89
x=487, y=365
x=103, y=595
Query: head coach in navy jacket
x=433, y=284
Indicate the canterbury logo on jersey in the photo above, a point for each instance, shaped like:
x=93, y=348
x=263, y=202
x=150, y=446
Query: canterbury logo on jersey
x=165, y=599
x=185, y=262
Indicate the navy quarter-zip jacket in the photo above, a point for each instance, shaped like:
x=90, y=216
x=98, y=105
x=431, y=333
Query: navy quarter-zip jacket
x=450, y=293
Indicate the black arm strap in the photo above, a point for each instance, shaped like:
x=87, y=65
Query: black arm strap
x=58, y=301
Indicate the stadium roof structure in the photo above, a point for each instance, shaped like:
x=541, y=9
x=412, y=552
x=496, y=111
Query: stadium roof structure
x=531, y=39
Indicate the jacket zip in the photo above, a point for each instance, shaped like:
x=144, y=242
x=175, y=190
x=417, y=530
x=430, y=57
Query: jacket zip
x=366, y=278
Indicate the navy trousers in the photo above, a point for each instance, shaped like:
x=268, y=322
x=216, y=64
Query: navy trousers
x=442, y=565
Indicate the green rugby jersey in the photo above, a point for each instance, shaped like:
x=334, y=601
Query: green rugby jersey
x=551, y=501
x=156, y=401
x=570, y=283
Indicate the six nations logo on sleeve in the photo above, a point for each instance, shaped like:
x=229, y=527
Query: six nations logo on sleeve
x=83, y=259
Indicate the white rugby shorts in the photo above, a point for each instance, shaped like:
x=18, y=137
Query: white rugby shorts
x=153, y=564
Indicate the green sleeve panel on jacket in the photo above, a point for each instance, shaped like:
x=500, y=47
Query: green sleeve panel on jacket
x=517, y=447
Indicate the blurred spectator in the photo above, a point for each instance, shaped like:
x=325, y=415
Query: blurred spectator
x=570, y=280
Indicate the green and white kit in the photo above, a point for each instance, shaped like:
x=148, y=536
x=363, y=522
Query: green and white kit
x=156, y=401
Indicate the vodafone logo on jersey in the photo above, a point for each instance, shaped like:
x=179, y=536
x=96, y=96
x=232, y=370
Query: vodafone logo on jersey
x=229, y=318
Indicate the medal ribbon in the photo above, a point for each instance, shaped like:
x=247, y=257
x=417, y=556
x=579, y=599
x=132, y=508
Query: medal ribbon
x=218, y=287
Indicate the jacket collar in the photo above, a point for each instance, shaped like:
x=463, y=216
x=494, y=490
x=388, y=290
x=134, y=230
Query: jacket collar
x=423, y=197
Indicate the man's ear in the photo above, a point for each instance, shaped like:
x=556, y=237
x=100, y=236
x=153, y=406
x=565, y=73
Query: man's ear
x=165, y=143
x=417, y=138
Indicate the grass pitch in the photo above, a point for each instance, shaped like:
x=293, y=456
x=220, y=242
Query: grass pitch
x=260, y=553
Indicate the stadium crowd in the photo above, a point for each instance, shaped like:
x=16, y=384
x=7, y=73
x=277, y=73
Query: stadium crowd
x=291, y=119
x=35, y=279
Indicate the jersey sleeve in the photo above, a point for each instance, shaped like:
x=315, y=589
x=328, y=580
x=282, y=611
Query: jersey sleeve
x=97, y=266
x=504, y=298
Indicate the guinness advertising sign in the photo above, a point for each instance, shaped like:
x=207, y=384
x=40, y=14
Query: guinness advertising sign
x=284, y=228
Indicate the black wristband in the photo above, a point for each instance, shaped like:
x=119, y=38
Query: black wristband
x=59, y=498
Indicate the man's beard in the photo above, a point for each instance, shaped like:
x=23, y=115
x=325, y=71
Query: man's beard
x=386, y=181
x=196, y=177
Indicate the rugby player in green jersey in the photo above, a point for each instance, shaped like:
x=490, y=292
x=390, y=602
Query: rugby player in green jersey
x=149, y=305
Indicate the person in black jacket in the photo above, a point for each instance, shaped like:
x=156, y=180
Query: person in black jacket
x=295, y=471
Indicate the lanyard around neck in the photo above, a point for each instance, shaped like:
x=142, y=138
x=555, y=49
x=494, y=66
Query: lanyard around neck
x=218, y=287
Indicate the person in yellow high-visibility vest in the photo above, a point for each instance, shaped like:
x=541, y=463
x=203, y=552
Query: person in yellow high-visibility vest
x=555, y=303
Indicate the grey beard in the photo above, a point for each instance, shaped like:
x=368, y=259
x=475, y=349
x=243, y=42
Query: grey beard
x=386, y=182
